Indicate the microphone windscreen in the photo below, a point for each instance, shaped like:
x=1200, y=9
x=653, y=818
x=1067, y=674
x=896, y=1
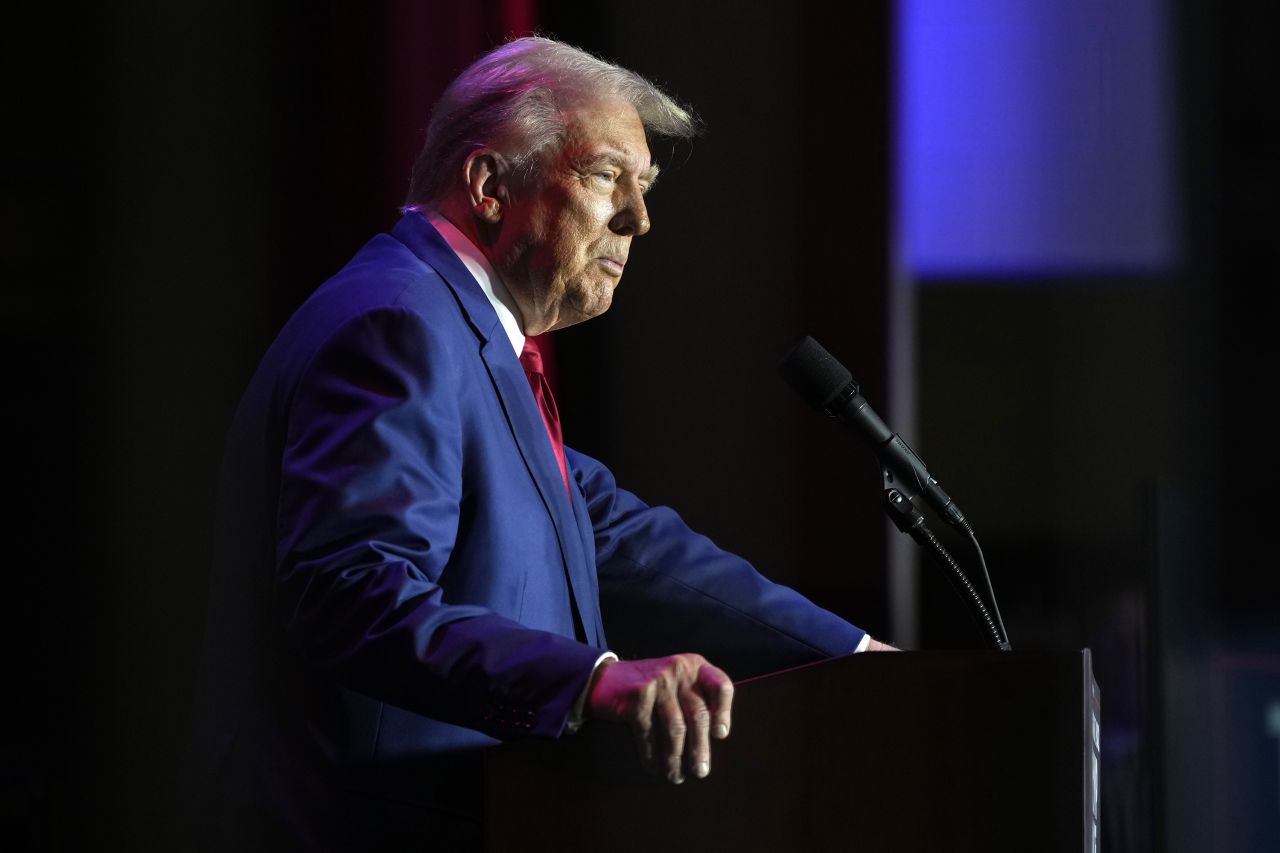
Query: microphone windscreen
x=814, y=374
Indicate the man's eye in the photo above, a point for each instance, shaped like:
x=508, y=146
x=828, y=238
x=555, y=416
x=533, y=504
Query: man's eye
x=607, y=176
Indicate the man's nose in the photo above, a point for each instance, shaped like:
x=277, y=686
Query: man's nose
x=633, y=219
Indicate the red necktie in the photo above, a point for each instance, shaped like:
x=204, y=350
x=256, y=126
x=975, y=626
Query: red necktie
x=531, y=361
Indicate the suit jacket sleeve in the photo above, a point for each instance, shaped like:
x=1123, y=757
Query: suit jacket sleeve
x=665, y=589
x=369, y=513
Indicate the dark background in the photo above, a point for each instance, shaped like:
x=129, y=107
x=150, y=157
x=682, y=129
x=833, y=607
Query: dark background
x=175, y=180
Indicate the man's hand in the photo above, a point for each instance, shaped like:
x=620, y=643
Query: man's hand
x=877, y=646
x=674, y=705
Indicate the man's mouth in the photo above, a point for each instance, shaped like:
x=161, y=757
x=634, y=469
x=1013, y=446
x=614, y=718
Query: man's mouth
x=613, y=265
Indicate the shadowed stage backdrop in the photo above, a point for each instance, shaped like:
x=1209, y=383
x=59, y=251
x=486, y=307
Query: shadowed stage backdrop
x=178, y=178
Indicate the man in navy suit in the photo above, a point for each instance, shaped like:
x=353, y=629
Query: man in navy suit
x=410, y=567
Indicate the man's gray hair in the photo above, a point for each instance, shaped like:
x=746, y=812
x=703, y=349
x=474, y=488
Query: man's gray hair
x=516, y=99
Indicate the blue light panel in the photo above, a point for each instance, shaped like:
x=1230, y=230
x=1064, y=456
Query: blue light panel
x=1034, y=138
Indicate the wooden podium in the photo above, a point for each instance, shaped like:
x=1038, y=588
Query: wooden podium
x=910, y=751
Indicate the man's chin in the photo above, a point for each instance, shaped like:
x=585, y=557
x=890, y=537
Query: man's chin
x=599, y=306
x=595, y=303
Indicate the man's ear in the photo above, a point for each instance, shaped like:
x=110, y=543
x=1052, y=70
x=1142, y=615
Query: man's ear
x=486, y=174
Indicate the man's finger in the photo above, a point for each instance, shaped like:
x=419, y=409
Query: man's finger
x=697, y=745
x=642, y=729
x=671, y=736
x=717, y=690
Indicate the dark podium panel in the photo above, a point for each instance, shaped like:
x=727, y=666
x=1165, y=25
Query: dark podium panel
x=927, y=751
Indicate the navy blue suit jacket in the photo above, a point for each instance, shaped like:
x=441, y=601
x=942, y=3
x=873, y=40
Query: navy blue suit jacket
x=401, y=577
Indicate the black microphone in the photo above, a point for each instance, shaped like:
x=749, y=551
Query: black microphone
x=829, y=387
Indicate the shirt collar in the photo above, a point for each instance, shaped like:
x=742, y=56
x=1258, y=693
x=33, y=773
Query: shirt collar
x=481, y=270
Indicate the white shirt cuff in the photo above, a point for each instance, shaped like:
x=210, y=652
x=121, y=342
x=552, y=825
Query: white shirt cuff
x=862, y=644
x=579, y=707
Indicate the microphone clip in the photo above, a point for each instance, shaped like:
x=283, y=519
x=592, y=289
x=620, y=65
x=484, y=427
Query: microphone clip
x=837, y=406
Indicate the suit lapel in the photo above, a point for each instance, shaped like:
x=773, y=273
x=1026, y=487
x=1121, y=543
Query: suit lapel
x=535, y=447
x=587, y=542
x=424, y=241
x=521, y=410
